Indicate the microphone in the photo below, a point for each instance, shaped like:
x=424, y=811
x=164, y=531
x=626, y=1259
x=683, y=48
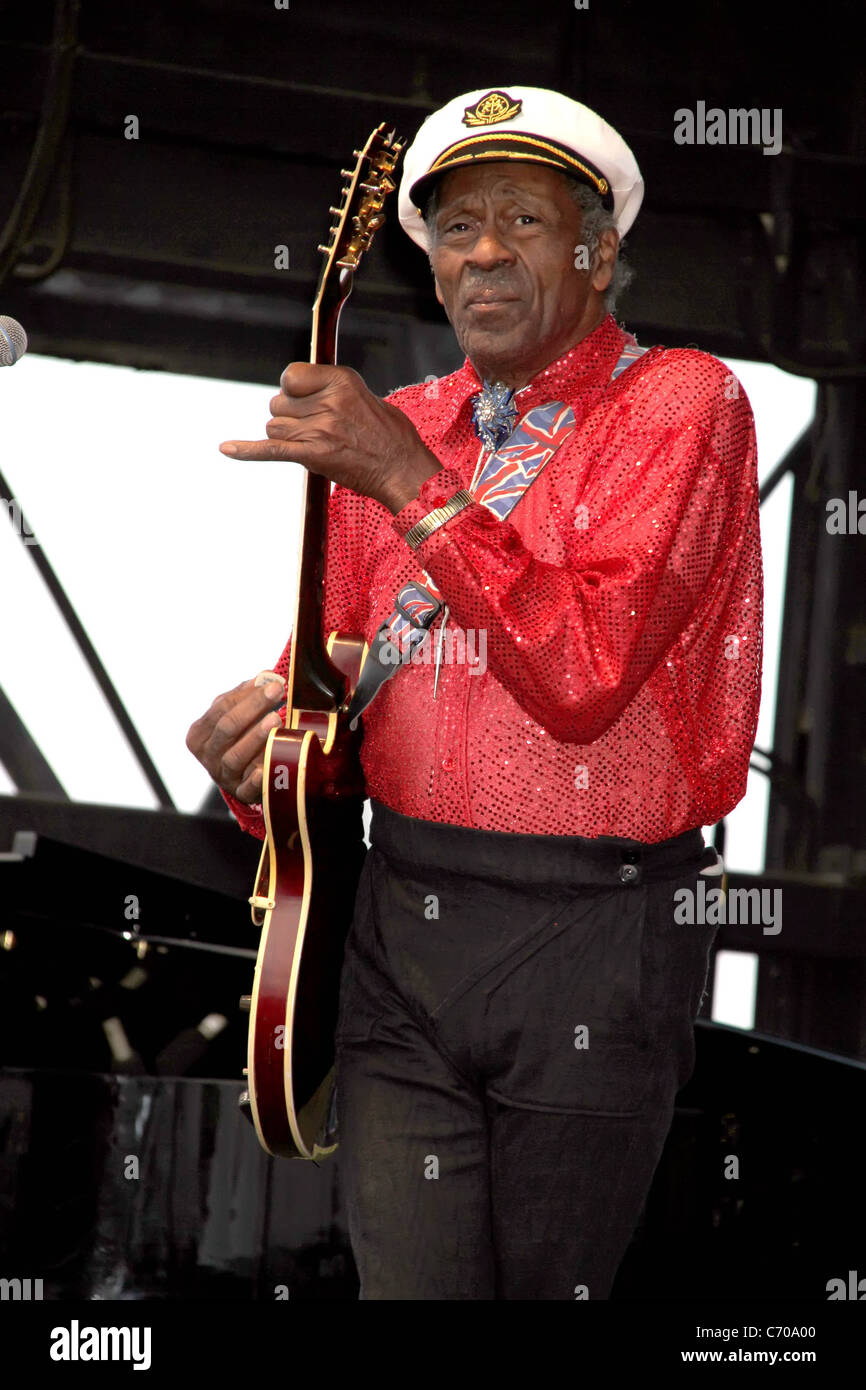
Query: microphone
x=13, y=341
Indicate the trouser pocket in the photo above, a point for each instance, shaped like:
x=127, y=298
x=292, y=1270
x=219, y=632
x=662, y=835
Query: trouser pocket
x=674, y=971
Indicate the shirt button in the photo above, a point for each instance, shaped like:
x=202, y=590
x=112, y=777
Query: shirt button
x=629, y=873
x=447, y=764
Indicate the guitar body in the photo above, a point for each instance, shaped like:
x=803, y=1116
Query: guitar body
x=312, y=799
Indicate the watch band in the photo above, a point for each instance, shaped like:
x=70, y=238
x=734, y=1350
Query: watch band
x=433, y=520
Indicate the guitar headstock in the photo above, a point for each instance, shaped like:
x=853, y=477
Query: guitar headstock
x=361, y=212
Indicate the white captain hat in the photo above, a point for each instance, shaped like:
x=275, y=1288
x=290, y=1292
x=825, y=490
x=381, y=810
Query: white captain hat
x=520, y=123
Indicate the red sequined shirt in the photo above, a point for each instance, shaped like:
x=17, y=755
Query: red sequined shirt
x=602, y=670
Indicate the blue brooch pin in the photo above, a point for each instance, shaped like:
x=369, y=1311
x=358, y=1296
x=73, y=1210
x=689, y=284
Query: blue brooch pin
x=494, y=414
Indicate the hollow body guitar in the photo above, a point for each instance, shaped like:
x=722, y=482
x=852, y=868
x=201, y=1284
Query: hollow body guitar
x=312, y=784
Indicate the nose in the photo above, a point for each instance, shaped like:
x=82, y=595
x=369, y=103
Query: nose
x=490, y=250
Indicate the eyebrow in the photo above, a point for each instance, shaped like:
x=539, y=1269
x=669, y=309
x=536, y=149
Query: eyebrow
x=511, y=190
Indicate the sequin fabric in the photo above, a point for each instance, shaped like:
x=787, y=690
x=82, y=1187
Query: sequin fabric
x=614, y=619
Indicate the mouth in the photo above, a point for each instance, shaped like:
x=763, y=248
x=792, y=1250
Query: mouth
x=488, y=301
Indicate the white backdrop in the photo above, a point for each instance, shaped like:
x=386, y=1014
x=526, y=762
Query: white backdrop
x=181, y=563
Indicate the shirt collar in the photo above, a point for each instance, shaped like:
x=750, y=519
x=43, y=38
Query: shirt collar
x=586, y=364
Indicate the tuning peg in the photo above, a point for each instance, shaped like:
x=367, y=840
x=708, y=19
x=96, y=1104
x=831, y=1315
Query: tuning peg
x=347, y=173
x=371, y=187
x=326, y=250
x=357, y=153
x=336, y=212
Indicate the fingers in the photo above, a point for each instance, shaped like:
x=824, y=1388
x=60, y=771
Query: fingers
x=250, y=789
x=263, y=450
x=305, y=378
x=230, y=714
x=311, y=454
x=229, y=739
x=295, y=407
x=240, y=758
x=231, y=719
x=300, y=398
x=286, y=445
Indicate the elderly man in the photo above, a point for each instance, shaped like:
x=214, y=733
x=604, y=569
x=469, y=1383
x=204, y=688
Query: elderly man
x=518, y=995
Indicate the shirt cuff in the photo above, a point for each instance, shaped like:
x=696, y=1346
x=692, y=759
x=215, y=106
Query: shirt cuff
x=249, y=818
x=435, y=492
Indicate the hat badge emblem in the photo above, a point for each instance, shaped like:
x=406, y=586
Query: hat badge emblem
x=491, y=109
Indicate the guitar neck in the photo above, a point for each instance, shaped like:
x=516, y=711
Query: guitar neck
x=315, y=683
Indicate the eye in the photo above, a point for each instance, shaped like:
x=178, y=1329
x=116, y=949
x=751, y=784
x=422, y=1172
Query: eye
x=457, y=227
x=526, y=217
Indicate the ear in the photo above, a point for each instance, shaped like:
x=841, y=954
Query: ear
x=437, y=289
x=605, y=259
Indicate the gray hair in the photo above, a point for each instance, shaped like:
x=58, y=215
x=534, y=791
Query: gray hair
x=595, y=219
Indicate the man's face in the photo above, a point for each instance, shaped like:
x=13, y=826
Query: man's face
x=503, y=253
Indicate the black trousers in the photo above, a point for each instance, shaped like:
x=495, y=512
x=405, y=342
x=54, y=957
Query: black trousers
x=516, y=1017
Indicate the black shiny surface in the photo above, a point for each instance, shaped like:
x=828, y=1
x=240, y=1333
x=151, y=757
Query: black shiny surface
x=208, y=1216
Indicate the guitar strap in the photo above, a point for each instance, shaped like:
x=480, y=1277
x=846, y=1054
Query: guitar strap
x=504, y=479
